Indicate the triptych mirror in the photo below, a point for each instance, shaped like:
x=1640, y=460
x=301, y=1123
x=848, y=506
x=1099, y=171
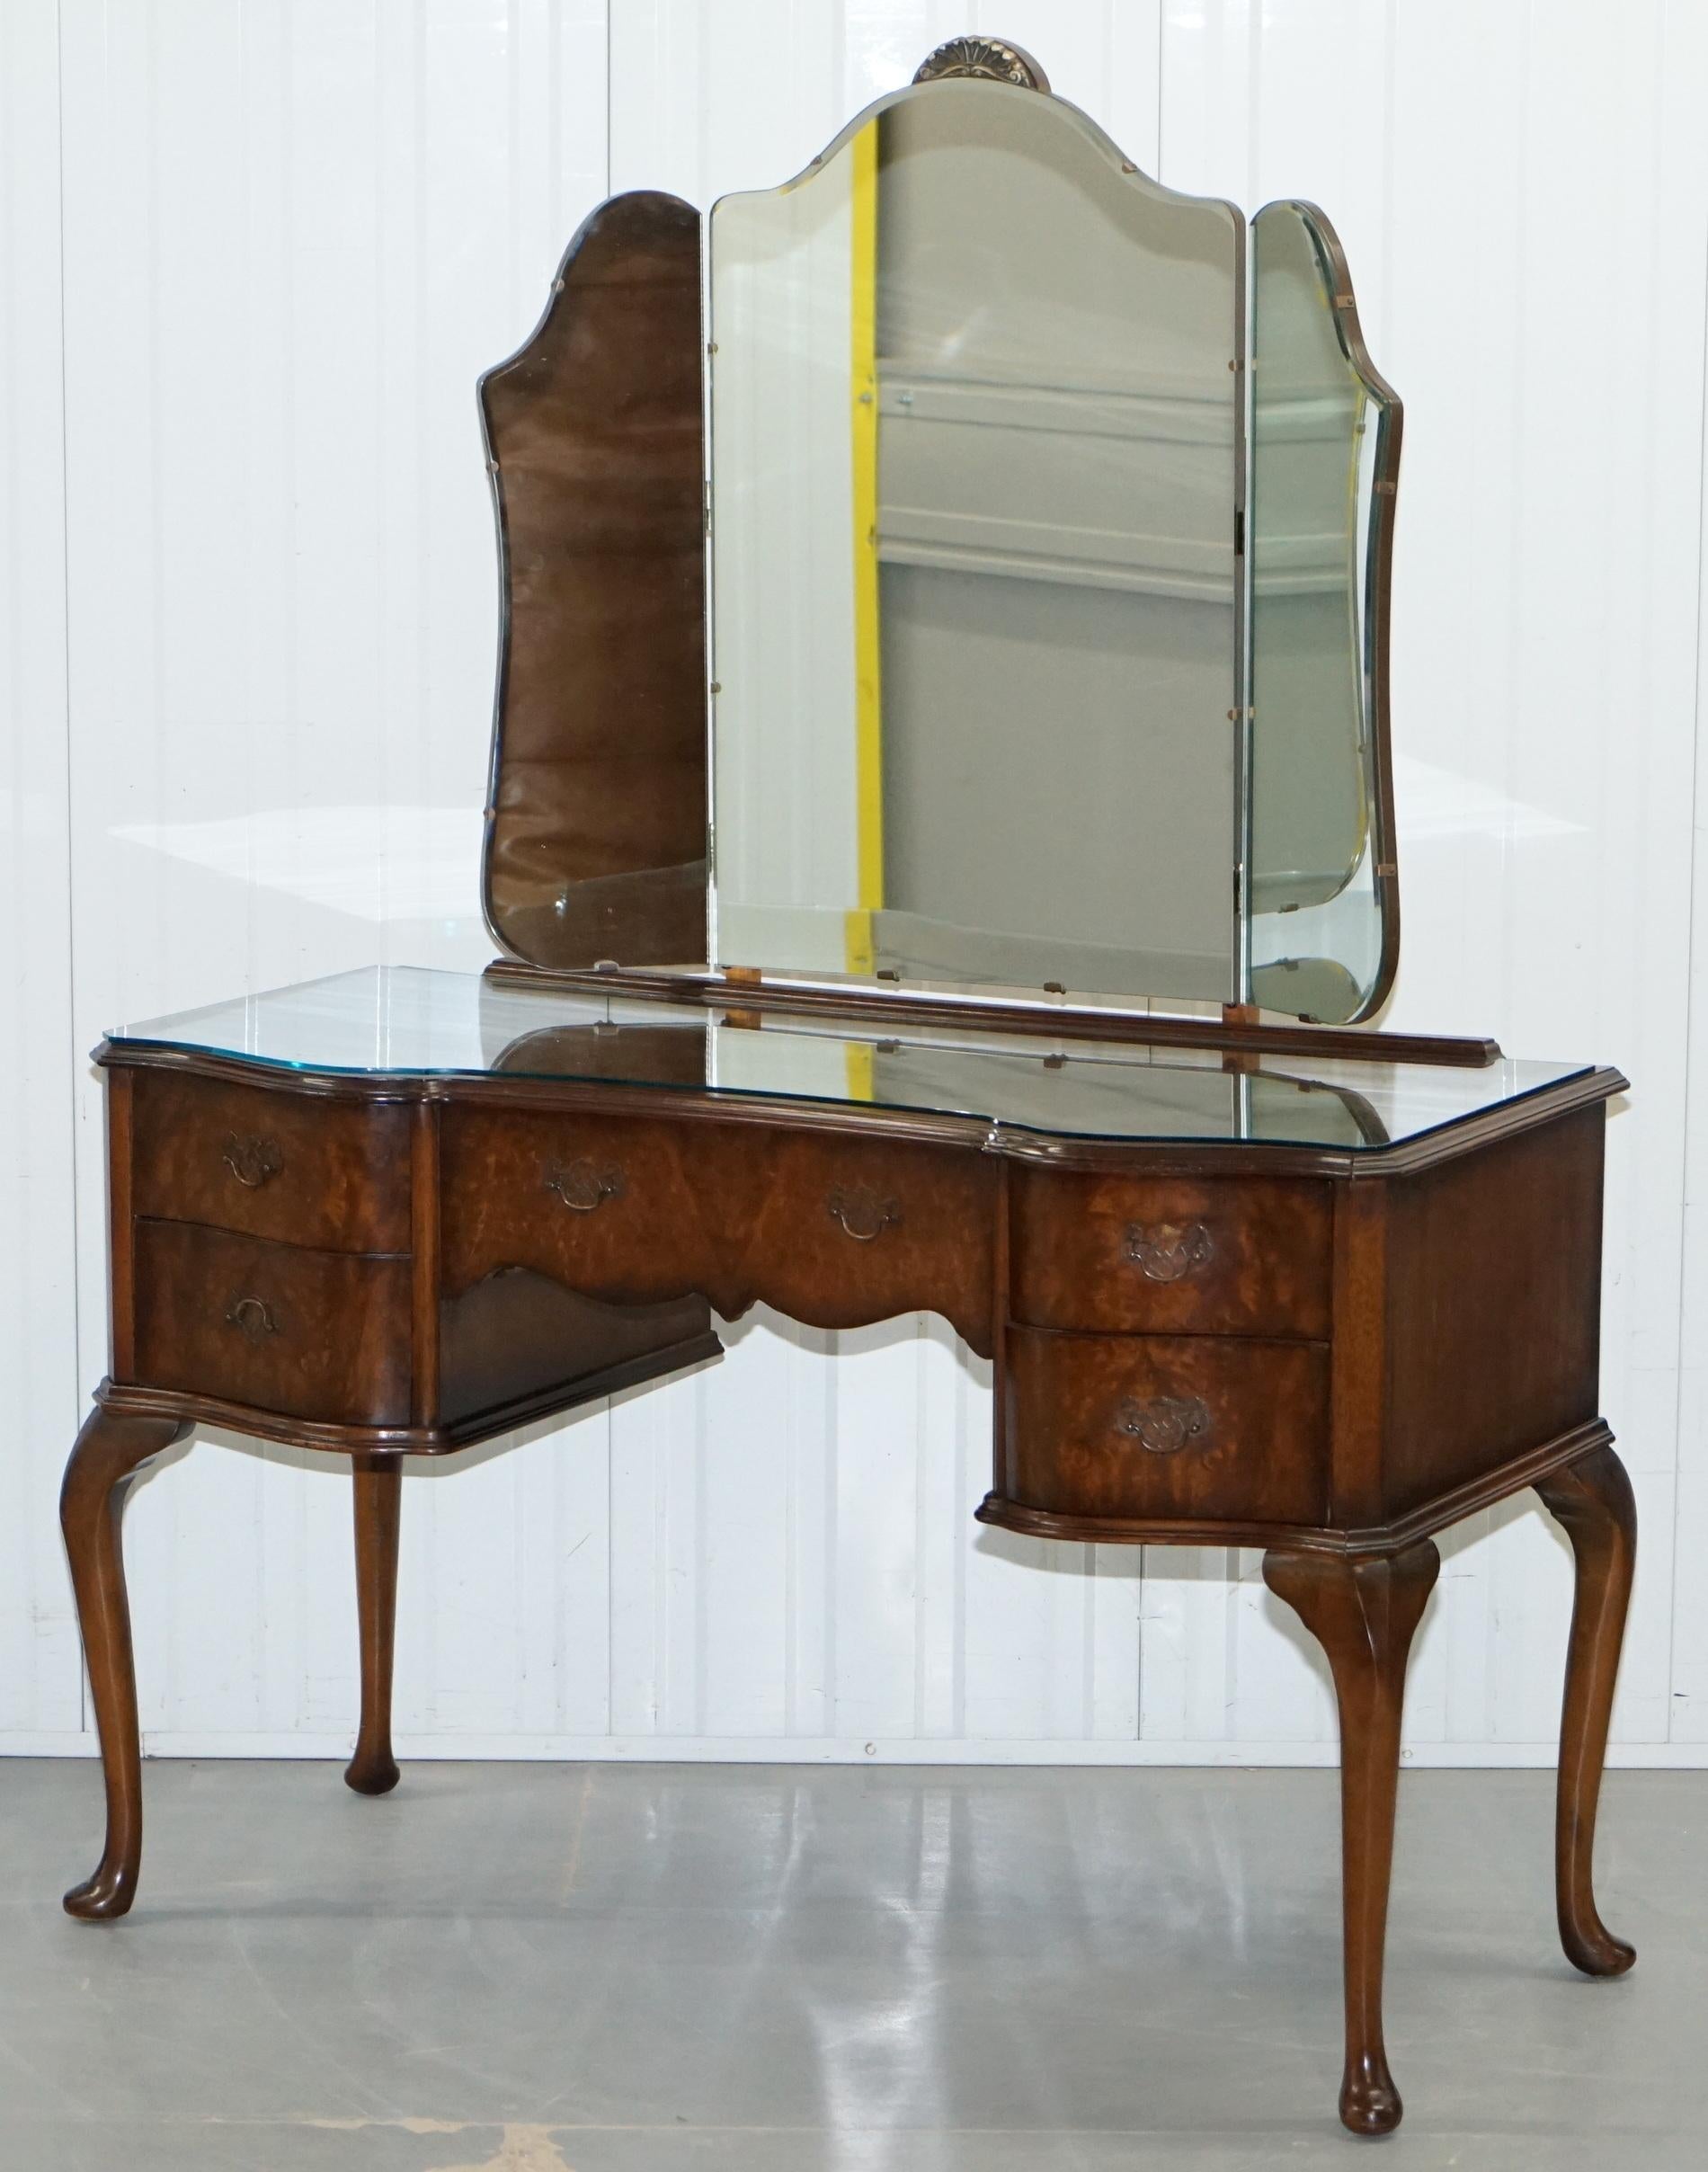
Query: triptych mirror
x=1044, y=519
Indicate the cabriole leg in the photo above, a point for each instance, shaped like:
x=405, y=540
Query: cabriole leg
x=1592, y=1498
x=110, y=1450
x=379, y=1501
x=1364, y=1612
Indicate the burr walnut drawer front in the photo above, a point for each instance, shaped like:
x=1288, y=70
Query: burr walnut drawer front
x=305, y=1168
x=605, y=1204
x=1165, y=1255
x=836, y=1231
x=282, y=1327
x=854, y=1231
x=1189, y=1428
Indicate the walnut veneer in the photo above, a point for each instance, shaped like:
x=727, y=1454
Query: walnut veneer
x=1329, y=1354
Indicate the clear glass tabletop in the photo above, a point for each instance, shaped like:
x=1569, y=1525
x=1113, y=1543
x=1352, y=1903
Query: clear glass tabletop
x=406, y=1022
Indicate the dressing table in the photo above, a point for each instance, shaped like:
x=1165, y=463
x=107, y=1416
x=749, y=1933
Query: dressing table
x=941, y=842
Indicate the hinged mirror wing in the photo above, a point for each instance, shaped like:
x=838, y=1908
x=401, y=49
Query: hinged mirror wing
x=1324, y=469
x=596, y=819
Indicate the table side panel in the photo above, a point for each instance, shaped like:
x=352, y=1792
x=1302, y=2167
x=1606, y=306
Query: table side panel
x=121, y=1246
x=1360, y=1389
x=1492, y=1296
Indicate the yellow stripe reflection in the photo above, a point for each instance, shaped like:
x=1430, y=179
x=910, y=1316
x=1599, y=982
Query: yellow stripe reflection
x=868, y=727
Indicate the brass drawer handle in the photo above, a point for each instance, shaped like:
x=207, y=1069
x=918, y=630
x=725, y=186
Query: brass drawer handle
x=253, y=1161
x=1168, y=1249
x=863, y=1213
x=252, y=1317
x=1166, y=1424
x=585, y=1185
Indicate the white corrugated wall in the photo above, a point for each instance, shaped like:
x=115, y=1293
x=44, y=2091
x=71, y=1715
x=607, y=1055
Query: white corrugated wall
x=252, y=255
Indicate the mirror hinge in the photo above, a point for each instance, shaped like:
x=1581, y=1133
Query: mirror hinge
x=1239, y=532
x=706, y=505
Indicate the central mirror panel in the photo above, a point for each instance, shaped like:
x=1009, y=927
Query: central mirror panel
x=975, y=393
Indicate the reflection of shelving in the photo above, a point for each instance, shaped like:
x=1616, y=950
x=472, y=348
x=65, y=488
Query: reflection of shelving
x=1042, y=481
x=1304, y=515
x=1057, y=568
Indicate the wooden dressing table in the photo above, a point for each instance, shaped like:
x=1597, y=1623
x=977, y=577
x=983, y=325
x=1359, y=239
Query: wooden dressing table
x=1242, y=1277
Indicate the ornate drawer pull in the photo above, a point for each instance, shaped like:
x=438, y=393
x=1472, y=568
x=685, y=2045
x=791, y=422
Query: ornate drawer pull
x=252, y=1317
x=585, y=1185
x=1165, y=1425
x=1168, y=1249
x=253, y=1161
x=863, y=1213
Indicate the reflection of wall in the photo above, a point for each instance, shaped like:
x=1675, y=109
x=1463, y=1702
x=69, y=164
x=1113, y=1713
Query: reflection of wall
x=1056, y=535
x=1050, y=813
x=1320, y=960
x=782, y=544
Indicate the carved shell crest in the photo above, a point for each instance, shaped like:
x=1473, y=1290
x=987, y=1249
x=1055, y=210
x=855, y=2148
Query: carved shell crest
x=988, y=59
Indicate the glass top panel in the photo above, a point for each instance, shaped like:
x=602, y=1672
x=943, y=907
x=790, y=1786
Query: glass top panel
x=404, y=1021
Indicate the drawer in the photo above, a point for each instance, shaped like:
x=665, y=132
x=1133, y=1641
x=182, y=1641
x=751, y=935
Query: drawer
x=853, y=1231
x=310, y=1334
x=298, y=1167
x=1188, y=1427
x=1170, y=1255
x=604, y=1203
x=835, y=1231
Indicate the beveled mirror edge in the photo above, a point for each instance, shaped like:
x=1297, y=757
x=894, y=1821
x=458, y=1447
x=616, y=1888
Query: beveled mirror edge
x=952, y=62
x=500, y=536
x=1001, y=86
x=1378, y=586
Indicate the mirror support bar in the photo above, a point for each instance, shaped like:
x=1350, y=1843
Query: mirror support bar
x=1228, y=1034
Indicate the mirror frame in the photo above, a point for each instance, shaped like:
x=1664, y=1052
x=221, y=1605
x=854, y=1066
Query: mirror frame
x=628, y=903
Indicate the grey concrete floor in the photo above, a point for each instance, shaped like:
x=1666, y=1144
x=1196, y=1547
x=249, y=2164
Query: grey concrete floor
x=692, y=1969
